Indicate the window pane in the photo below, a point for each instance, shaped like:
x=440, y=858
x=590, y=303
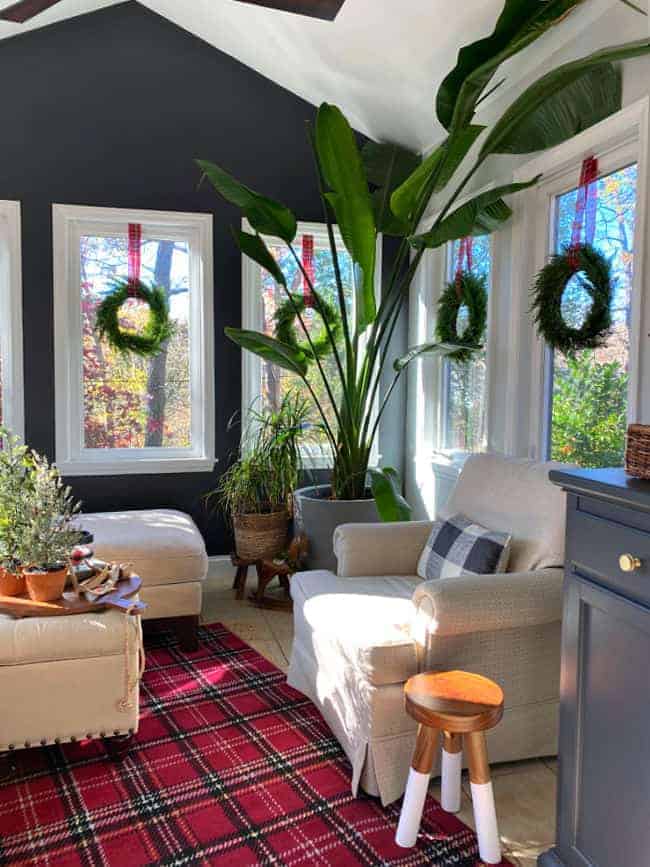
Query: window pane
x=464, y=425
x=133, y=402
x=276, y=381
x=589, y=396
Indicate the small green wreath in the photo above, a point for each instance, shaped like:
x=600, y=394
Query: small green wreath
x=549, y=287
x=470, y=290
x=156, y=331
x=285, y=331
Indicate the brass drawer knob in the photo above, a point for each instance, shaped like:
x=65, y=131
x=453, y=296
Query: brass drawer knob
x=628, y=562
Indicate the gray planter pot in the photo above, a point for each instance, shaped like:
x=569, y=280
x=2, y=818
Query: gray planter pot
x=318, y=516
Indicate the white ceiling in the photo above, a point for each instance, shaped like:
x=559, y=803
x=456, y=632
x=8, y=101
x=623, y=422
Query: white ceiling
x=381, y=60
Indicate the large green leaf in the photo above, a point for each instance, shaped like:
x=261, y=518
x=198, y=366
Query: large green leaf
x=428, y=349
x=406, y=197
x=554, y=88
x=269, y=349
x=521, y=22
x=265, y=215
x=432, y=175
x=387, y=490
x=255, y=248
x=479, y=216
x=387, y=166
x=457, y=147
x=582, y=103
x=351, y=202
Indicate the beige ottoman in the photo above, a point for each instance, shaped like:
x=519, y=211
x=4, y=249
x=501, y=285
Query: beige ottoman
x=68, y=678
x=167, y=552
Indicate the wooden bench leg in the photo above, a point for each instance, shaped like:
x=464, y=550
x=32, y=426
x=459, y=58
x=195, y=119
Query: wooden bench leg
x=187, y=632
x=417, y=786
x=451, y=770
x=485, y=816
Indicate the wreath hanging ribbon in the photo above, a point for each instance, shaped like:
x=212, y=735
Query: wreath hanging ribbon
x=157, y=329
x=576, y=258
x=468, y=290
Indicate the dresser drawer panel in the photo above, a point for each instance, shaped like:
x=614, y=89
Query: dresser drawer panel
x=596, y=543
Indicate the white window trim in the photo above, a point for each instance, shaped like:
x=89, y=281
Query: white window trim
x=314, y=457
x=11, y=317
x=435, y=271
x=619, y=140
x=68, y=223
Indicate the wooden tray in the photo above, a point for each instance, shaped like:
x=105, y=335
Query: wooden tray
x=120, y=598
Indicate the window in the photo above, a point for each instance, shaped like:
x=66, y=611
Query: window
x=11, y=332
x=261, y=298
x=118, y=412
x=464, y=385
x=588, y=394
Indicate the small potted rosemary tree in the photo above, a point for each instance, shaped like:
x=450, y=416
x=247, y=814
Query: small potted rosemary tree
x=255, y=493
x=49, y=533
x=15, y=476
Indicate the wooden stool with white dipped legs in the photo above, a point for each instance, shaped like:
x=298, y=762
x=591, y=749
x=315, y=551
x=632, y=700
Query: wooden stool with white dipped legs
x=462, y=707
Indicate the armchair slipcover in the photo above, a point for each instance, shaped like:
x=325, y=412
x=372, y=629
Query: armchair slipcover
x=360, y=634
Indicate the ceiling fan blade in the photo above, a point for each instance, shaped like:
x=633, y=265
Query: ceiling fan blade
x=325, y=9
x=26, y=9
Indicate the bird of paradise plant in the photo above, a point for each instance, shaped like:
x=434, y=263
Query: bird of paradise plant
x=383, y=188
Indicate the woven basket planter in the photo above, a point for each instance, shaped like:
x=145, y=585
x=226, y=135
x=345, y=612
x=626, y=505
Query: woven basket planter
x=637, y=451
x=259, y=537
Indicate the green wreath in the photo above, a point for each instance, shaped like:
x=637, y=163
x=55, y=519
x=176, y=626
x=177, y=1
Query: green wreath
x=156, y=331
x=285, y=331
x=470, y=290
x=549, y=287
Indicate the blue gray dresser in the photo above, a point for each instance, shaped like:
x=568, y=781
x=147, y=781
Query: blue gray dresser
x=604, y=767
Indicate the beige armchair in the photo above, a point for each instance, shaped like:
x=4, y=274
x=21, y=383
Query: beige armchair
x=360, y=634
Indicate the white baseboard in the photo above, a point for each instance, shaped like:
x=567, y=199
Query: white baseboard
x=219, y=565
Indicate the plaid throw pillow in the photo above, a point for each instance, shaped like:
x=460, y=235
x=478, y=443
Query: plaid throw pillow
x=460, y=547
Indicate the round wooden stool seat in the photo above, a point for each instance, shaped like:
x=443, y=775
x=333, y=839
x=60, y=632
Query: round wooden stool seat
x=454, y=701
x=459, y=707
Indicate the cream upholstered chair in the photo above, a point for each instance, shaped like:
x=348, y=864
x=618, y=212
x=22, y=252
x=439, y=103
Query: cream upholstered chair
x=361, y=634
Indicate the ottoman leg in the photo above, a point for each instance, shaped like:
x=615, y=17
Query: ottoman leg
x=485, y=816
x=452, y=764
x=417, y=787
x=187, y=632
x=118, y=747
x=7, y=767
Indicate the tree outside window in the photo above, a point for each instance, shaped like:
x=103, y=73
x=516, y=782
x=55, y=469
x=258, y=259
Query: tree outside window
x=589, y=391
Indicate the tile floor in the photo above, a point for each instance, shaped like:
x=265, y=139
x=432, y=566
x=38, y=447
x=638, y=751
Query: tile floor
x=525, y=791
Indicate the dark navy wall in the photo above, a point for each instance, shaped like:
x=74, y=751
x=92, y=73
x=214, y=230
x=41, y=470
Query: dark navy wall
x=111, y=109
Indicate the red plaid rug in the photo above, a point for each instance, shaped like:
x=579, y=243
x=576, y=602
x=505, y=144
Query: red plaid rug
x=230, y=767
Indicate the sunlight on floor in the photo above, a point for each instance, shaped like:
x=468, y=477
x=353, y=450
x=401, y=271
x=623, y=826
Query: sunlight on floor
x=525, y=791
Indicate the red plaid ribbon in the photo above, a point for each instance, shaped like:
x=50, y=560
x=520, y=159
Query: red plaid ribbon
x=135, y=257
x=308, y=265
x=586, y=205
x=465, y=250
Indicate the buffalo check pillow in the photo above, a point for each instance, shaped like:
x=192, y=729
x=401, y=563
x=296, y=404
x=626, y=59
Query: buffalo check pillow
x=458, y=546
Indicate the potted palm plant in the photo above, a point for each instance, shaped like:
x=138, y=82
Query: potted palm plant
x=48, y=530
x=382, y=188
x=255, y=492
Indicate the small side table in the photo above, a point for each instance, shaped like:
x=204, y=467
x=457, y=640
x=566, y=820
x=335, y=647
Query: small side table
x=462, y=707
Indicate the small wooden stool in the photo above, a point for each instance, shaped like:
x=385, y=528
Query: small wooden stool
x=461, y=706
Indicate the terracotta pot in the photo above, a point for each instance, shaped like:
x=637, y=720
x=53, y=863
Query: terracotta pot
x=11, y=583
x=259, y=537
x=46, y=586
